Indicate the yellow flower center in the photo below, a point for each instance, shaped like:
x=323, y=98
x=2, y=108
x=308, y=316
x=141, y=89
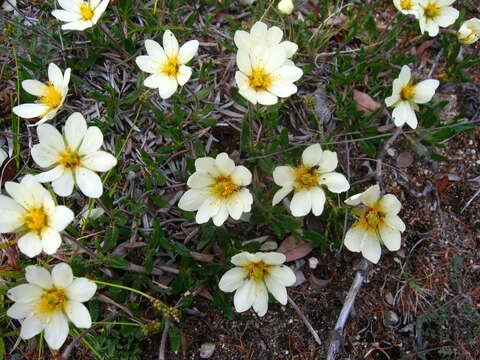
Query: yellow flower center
x=224, y=187
x=408, y=92
x=305, y=178
x=472, y=36
x=86, y=11
x=51, y=301
x=70, y=159
x=406, y=4
x=431, y=11
x=52, y=97
x=170, y=68
x=260, y=80
x=257, y=271
x=35, y=219
x=371, y=217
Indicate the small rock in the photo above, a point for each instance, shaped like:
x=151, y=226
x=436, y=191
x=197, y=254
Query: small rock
x=313, y=262
x=389, y=298
x=390, y=319
x=300, y=278
x=269, y=246
x=206, y=350
x=405, y=159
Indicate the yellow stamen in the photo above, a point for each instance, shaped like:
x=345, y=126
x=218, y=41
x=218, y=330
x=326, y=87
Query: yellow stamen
x=431, y=11
x=51, y=301
x=70, y=159
x=86, y=11
x=52, y=97
x=170, y=68
x=35, y=219
x=406, y=4
x=257, y=271
x=259, y=79
x=408, y=92
x=305, y=178
x=224, y=187
x=371, y=217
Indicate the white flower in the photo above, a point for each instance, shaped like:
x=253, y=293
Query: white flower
x=406, y=96
x=9, y=5
x=307, y=181
x=80, y=14
x=50, y=95
x=32, y=211
x=433, y=14
x=47, y=302
x=254, y=276
x=74, y=157
x=407, y=7
x=378, y=223
x=260, y=34
x=3, y=156
x=218, y=190
x=285, y=6
x=265, y=74
x=167, y=64
x=469, y=31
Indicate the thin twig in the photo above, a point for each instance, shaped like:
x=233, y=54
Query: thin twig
x=305, y=321
x=163, y=343
x=470, y=201
x=337, y=333
x=382, y=153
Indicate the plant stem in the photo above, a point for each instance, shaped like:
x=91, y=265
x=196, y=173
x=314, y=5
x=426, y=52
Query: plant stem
x=125, y=288
x=114, y=323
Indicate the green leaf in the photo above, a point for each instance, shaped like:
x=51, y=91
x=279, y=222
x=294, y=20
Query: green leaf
x=175, y=338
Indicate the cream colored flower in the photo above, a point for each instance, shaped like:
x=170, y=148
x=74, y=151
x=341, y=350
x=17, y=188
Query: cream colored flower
x=265, y=74
x=50, y=95
x=32, y=212
x=433, y=14
x=47, y=302
x=218, y=190
x=407, y=7
x=80, y=14
x=308, y=179
x=9, y=5
x=167, y=64
x=74, y=158
x=3, y=156
x=469, y=31
x=378, y=223
x=254, y=276
x=285, y=6
x=260, y=34
x=406, y=95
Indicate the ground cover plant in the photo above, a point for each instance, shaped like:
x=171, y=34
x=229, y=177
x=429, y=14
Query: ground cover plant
x=239, y=179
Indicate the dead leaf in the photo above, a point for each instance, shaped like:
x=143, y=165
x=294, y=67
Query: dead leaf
x=365, y=102
x=293, y=250
x=442, y=186
x=317, y=283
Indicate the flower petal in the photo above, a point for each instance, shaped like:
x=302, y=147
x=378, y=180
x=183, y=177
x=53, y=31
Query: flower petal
x=188, y=51
x=89, y=183
x=241, y=176
x=394, y=222
x=63, y=186
x=170, y=44
x=312, y=155
x=232, y=279
x=191, y=200
x=81, y=290
x=56, y=331
x=147, y=64
x=335, y=182
x=75, y=130
x=301, y=203
x=34, y=87
x=51, y=139
x=318, y=200
x=284, y=175
x=273, y=258
x=20, y=311
x=30, y=244
x=278, y=291
x=39, y=276
x=78, y=314
x=25, y=293
x=62, y=275
x=425, y=90
x=390, y=204
x=92, y=141
x=280, y=194
x=220, y=217
x=404, y=113
x=224, y=164
x=99, y=161
x=61, y=217
x=260, y=305
x=207, y=210
x=66, y=16
x=283, y=275
x=50, y=175
x=353, y=238
x=30, y=327
x=29, y=111
x=183, y=75
x=390, y=237
x=371, y=249
x=245, y=296
x=12, y=214
x=328, y=162
x=155, y=50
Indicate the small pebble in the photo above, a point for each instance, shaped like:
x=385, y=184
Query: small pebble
x=313, y=262
x=206, y=350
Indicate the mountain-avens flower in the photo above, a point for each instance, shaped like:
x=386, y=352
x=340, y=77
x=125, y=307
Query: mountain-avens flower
x=261, y=34
x=265, y=74
x=254, y=276
x=469, y=32
x=315, y=171
x=406, y=95
x=80, y=14
x=377, y=223
x=73, y=158
x=433, y=14
x=407, y=7
x=218, y=190
x=285, y=6
x=167, y=64
x=48, y=301
x=51, y=95
x=31, y=211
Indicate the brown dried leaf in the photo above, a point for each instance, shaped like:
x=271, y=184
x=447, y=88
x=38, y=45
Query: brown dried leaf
x=317, y=283
x=365, y=102
x=293, y=250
